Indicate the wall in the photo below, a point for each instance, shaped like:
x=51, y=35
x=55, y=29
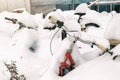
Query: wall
x=42, y=6
x=10, y=5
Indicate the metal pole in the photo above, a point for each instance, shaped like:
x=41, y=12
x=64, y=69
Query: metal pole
x=98, y=8
x=73, y=4
x=111, y=8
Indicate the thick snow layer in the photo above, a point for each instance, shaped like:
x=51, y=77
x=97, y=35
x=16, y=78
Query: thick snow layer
x=113, y=29
x=101, y=68
x=23, y=17
x=82, y=8
x=37, y=60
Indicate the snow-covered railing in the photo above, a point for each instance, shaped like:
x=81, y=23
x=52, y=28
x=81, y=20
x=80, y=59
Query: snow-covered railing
x=97, y=2
x=107, y=2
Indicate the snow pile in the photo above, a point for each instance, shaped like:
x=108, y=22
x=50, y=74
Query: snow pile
x=81, y=8
x=112, y=30
x=97, y=69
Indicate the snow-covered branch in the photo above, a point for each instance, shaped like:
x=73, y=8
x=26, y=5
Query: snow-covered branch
x=14, y=72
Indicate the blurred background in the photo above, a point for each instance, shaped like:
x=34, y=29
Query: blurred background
x=45, y=6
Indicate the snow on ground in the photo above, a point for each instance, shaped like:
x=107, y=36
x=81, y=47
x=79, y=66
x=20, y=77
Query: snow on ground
x=100, y=68
x=31, y=49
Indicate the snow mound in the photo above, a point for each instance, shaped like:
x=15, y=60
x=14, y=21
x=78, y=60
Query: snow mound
x=113, y=29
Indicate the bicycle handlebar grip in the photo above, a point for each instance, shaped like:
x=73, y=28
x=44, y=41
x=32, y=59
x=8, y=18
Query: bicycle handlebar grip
x=54, y=20
x=102, y=47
